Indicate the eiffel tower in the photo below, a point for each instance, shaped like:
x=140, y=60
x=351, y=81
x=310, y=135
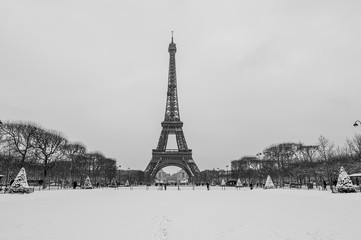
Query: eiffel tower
x=161, y=156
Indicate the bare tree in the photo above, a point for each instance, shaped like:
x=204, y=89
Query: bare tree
x=21, y=137
x=73, y=151
x=354, y=147
x=107, y=168
x=308, y=152
x=48, y=145
x=283, y=154
x=307, y=157
x=81, y=166
x=7, y=160
x=95, y=164
x=326, y=151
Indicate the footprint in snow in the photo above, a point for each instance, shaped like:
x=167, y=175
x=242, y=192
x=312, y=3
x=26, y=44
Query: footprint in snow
x=161, y=224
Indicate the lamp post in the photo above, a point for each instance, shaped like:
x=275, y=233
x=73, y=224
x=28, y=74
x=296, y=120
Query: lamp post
x=356, y=124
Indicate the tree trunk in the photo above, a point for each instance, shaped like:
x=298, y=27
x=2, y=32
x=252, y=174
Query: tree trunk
x=71, y=171
x=45, y=173
x=22, y=161
x=7, y=177
x=329, y=177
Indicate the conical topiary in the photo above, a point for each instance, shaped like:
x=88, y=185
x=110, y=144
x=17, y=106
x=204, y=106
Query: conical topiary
x=127, y=183
x=113, y=183
x=223, y=183
x=269, y=184
x=20, y=184
x=87, y=183
x=344, y=184
x=239, y=183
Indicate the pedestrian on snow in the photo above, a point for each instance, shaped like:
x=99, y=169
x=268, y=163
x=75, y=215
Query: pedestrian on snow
x=207, y=186
x=251, y=186
x=75, y=184
x=324, y=185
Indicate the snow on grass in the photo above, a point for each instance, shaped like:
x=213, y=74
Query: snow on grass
x=210, y=215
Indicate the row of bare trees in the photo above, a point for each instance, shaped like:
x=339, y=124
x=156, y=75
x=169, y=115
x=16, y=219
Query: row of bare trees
x=47, y=154
x=301, y=163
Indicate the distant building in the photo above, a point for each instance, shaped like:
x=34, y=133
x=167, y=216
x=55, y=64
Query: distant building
x=181, y=176
x=161, y=176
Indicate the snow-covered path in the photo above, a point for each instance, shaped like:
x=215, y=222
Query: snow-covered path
x=180, y=215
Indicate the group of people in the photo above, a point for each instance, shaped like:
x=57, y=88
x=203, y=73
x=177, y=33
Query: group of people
x=164, y=186
x=75, y=184
x=207, y=184
x=324, y=184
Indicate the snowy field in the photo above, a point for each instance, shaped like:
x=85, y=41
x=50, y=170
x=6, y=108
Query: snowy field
x=183, y=215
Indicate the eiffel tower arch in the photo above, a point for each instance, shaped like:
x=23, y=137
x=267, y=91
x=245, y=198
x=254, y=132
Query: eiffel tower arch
x=182, y=156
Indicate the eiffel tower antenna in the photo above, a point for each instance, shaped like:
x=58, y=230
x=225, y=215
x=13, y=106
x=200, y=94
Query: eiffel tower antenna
x=182, y=156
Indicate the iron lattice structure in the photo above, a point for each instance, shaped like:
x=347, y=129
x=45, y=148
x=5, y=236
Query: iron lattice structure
x=161, y=156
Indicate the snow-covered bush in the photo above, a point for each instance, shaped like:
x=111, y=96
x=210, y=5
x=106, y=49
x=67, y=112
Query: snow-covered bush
x=344, y=184
x=87, y=183
x=20, y=184
x=269, y=183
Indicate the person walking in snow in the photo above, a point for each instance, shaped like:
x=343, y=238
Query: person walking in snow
x=207, y=186
x=251, y=185
x=324, y=185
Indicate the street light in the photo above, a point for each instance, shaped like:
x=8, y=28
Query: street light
x=356, y=123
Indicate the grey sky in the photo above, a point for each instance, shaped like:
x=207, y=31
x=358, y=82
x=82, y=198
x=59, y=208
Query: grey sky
x=250, y=73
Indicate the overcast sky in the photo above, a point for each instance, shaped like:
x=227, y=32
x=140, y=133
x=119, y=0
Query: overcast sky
x=250, y=73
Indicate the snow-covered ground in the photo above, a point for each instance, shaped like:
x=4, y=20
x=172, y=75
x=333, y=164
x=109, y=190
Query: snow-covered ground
x=185, y=215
